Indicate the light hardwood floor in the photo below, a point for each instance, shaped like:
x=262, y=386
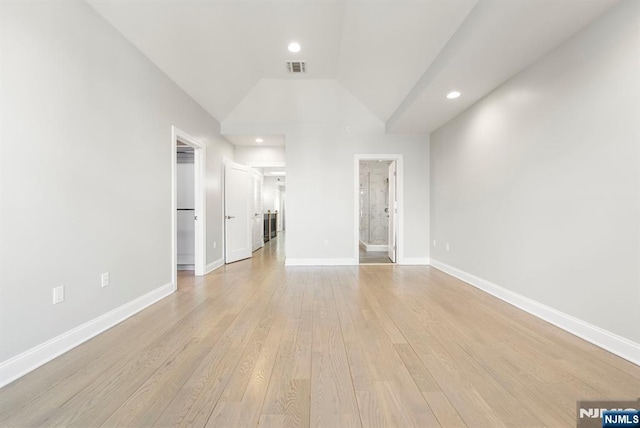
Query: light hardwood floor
x=255, y=343
x=373, y=257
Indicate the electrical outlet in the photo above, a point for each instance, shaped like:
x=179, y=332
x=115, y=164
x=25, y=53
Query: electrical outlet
x=58, y=295
x=105, y=279
x=447, y=246
x=215, y=244
x=434, y=242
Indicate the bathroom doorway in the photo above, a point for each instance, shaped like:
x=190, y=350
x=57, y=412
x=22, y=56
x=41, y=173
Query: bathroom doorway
x=377, y=210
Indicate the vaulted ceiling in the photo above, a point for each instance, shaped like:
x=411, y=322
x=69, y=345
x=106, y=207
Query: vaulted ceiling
x=398, y=58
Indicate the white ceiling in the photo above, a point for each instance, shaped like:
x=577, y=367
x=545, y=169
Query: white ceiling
x=498, y=39
x=398, y=58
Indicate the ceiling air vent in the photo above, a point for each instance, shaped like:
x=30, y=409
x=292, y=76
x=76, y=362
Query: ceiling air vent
x=296, y=66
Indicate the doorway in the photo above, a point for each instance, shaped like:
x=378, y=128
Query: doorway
x=274, y=191
x=378, y=198
x=188, y=216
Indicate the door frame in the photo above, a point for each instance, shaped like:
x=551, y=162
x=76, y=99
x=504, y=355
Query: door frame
x=199, y=151
x=400, y=195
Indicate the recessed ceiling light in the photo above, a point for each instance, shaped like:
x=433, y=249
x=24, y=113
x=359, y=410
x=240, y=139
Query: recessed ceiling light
x=294, y=47
x=453, y=94
x=259, y=140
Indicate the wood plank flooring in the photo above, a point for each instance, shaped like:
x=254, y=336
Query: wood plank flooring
x=373, y=257
x=258, y=344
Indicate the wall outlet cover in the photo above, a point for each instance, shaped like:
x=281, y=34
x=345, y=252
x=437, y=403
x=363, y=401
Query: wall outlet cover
x=58, y=295
x=105, y=279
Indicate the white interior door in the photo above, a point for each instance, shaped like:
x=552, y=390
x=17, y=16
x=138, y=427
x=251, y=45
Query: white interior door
x=237, y=212
x=393, y=211
x=257, y=212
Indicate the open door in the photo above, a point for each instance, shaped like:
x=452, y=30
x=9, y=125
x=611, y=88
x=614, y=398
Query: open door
x=237, y=212
x=257, y=216
x=393, y=211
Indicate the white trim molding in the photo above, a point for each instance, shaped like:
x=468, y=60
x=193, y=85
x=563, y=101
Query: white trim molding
x=320, y=262
x=213, y=266
x=374, y=247
x=607, y=340
x=35, y=357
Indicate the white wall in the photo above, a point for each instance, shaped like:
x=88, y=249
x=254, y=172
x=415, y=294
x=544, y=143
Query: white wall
x=536, y=187
x=320, y=191
x=325, y=126
x=86, y=170
x=269, y=187
x=275, y=105
x=263, y=156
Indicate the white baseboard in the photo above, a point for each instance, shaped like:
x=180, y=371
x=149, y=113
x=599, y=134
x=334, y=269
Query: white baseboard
x=376, y=247
x=417, y=261
x=213, y=266
x=373, y=247
x=22, y=364
x=607, y=340
x=420, y=261
x=186, y=267
x=320, y=262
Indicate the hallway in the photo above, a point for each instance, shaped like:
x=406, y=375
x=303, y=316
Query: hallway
x=257, y=343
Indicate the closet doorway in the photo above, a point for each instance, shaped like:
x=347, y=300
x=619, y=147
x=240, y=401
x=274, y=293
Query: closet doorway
x=378, y=208
x=188, y=214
